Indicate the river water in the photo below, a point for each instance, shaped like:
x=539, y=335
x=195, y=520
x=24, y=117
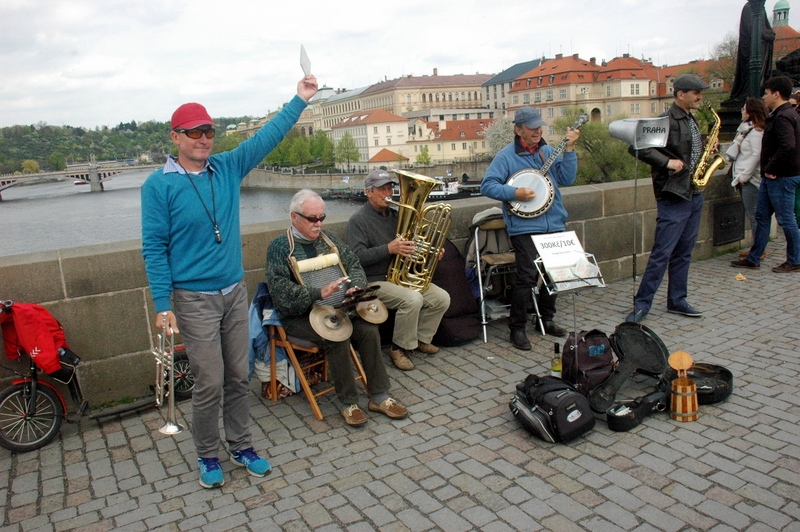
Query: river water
x=51, y=216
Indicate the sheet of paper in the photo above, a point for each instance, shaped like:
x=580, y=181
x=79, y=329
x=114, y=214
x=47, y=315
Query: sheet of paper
x=305, y=62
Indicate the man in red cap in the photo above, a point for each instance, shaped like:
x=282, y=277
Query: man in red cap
x=192, y=248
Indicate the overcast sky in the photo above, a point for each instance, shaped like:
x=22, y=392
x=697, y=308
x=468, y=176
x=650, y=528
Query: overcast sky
x=102, y=62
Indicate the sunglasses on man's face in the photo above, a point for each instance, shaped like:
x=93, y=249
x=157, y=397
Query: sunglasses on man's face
x=195, y=134
x=312, y=219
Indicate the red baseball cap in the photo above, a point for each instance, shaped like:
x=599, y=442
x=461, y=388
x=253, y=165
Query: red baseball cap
x=191, y=115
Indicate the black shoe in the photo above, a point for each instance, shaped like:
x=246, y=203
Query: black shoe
x=636, y=316
x=550, y=327
x=786, y=267
x=520, y=339
x=686, y=310
x=744, y=263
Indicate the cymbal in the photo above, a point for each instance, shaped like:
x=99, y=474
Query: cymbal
x=372, y=310
x=331, y=324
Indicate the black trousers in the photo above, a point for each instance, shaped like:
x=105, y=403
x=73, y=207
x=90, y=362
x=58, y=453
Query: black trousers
x=527, y=277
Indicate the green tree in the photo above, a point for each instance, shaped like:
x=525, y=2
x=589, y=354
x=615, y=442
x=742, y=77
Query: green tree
x=299, y=152
x=499, y=133
x=322, y=148
x=601, y=158
x=347, y=151
x=57, y=161
x=227, y=142
x=424, y=156
x=29, y=166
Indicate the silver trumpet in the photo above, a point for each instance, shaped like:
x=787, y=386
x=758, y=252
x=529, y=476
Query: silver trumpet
x=164, y=353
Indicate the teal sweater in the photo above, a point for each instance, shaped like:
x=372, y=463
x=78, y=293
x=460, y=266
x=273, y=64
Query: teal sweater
x=178, y=242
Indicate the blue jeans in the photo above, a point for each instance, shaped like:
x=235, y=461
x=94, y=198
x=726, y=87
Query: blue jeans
x=677, y=225
x=776, y=196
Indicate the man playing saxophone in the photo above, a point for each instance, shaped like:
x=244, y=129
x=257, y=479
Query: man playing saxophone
x=679, y=204
x=372, y=235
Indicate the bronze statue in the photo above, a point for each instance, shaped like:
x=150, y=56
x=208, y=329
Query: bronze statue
x=761, y=46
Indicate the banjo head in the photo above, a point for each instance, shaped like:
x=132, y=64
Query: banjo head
x=543, y=190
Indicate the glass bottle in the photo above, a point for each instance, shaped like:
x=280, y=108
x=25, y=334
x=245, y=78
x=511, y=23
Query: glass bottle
x=555, y=364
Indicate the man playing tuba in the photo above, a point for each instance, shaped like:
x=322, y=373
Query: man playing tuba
x=294, y=301
x=372, y=235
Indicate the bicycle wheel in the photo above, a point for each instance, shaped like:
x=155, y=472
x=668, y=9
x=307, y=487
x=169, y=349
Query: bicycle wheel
x=21, y=433
x=184, y=380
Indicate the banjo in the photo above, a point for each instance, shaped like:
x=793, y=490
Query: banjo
x=543, y=190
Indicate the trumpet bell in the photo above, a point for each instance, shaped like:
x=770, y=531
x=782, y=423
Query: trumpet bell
x=331, y=324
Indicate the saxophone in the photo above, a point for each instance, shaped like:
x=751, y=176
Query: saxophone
x=710, y=160
x=426, y=227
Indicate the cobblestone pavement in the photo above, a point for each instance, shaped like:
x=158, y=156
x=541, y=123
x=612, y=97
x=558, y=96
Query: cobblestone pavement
x=460, y=461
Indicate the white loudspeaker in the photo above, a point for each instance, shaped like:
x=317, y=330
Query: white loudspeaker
x=641, y=132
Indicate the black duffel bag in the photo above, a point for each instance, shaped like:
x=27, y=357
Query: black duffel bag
x=551, y=409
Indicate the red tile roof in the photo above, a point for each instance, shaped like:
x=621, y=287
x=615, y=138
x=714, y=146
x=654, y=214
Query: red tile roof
x=457, y=130
x=375, y=116
x=387, y=156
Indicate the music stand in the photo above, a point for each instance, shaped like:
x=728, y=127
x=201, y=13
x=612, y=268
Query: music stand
x=564, y=265
x=640, y=133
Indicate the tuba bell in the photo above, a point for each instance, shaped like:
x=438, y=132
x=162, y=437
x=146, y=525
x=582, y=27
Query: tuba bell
x=426, y=227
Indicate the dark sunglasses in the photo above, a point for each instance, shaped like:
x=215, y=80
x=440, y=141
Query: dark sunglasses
x=312, y=219
x=195, y=134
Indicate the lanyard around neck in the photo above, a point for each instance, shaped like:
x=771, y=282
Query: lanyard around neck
x=213, y=218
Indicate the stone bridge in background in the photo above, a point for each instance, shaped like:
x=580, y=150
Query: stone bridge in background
x=93, y=175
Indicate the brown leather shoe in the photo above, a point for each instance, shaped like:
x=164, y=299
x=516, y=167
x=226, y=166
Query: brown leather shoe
x=743, y=254
x=354, y=416
x=786, y=267
x=428, y=349
x=389, y=407
x=401, y=358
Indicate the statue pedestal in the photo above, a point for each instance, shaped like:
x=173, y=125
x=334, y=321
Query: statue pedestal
x=729, y=121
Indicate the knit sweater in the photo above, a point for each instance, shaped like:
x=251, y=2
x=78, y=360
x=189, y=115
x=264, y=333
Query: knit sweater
x=368, y=234
x=291, y=299
x=178, y=241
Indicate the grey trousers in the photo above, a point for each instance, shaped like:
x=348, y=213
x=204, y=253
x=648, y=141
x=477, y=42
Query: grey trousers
x=367, y=342
x=215, y=331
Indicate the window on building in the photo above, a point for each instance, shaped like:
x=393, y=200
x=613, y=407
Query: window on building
x=634, y=89
x=388, y=141
x=562, y=94
x=526, y=98
x=608, y=90
x=376, y=142
x=635, y=109
x=549, y=112
x=653, y=107
x=608, y=110
x=438, y=147
x=551, y=130
x=548, y=96
x=466, y=116
x=408, y=98
x=463, y=145
x=453, y=146
x=388, y=129
x=562, y=111
x=537, y=97
x=375, y=129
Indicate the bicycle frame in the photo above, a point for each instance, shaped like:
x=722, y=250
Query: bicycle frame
x=33, y=380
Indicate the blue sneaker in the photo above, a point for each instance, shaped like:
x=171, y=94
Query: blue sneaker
x=210, y=473
x=256, y=466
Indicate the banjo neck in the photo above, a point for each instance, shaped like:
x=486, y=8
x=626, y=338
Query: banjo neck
x=582, y=119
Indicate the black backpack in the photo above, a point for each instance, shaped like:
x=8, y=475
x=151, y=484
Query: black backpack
x=551, y=409
x=461, y=323
x=588, y=363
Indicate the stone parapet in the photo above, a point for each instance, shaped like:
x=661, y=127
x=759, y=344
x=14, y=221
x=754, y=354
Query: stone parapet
x=100, y=293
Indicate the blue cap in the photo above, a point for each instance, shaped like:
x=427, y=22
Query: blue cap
x=529, y=117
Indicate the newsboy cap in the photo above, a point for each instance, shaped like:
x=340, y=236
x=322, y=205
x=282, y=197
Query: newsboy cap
x=529, y=117
x=688, y=82
x=377, y=178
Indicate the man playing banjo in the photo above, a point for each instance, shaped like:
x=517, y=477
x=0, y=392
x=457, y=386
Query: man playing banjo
x=528, y=213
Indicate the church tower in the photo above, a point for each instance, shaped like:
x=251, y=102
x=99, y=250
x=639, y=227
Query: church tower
x=780, y=14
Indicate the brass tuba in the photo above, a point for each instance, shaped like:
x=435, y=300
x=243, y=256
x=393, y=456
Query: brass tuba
x=710, y=160
x=426, y=227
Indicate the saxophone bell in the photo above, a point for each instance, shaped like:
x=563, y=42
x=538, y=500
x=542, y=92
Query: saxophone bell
x=710, y=160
